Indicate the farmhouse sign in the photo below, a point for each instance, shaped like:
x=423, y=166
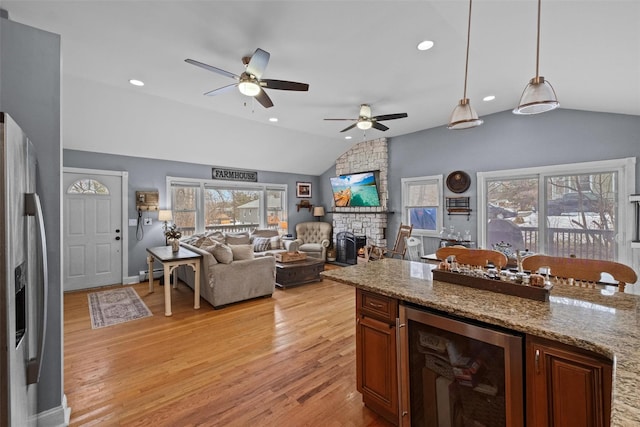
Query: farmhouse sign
x=234, y=175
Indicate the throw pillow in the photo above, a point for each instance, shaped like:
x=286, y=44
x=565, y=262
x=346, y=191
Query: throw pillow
x=261, y=244
x=221, y=252
x=204, y=241
x=276, y=242
x=241, y=252
x=218, y=236
x=238, y=239
x=209, y=249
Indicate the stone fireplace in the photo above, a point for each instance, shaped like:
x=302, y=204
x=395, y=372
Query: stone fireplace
x=364, y=221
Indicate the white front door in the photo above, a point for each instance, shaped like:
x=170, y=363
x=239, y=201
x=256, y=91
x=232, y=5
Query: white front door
x=92, y=230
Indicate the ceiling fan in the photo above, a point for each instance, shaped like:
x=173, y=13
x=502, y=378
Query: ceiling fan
x=249, y=82
x=366, y=121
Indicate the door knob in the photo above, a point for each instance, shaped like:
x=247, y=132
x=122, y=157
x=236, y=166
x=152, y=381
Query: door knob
x=117, y=237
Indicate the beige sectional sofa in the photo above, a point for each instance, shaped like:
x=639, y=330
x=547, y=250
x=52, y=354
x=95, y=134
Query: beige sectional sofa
x=235, y=267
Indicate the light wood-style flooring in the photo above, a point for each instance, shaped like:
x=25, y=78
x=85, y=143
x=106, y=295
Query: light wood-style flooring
x=288, y=360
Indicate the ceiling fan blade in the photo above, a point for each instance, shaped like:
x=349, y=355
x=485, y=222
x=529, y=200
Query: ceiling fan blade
x=378, y=126
x=258, y=62
x=211, y=68
x=264, y=99
x=221, y=90
x=390, y=116
x=349, y=127
x=284, y=85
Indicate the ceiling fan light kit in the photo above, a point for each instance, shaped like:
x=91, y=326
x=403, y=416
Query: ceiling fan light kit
x=249, y=88
x=249, y=83
x=364, y=124
x=463, y=115
x=538, y=96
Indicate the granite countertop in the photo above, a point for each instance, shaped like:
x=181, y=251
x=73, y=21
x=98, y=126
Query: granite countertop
x=605, y=322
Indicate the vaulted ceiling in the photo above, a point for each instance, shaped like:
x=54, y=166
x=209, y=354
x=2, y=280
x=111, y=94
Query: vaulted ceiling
x=349, y=52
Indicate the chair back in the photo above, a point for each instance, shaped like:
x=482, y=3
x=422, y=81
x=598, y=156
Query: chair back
x=400, y=248
x=582, y=269
x=476, y=257
x=414, y=248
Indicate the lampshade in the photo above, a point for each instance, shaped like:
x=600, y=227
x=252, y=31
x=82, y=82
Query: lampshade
x=284, y=225
x=539, y=95
x=249, y=88
x=318, y=211
x=165, y=215
x=463, y=115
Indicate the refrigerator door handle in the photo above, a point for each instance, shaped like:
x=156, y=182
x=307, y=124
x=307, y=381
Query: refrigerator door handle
x=34, y=208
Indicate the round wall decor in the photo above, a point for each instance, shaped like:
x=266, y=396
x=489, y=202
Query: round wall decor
x=458, y=181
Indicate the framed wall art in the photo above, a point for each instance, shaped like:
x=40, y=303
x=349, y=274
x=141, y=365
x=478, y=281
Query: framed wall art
x=303, y=190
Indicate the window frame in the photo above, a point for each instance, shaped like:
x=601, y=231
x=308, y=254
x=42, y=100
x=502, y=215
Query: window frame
x=438, y=180
x=625, y=167
x=204, y=184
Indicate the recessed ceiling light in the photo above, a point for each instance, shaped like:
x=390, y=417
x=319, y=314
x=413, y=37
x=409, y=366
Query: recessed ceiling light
x=489, y=98
x=273, y=119
x=425, y=45
x=347, y=137
x=136, y=82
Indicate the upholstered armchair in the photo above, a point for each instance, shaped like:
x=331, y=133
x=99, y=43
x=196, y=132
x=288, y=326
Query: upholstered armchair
x=314, y=238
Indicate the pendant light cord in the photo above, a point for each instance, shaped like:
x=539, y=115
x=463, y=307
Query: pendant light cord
x=538, y=44
x=466, y=65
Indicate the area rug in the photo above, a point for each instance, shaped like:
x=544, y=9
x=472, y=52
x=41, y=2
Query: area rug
x=116, y=306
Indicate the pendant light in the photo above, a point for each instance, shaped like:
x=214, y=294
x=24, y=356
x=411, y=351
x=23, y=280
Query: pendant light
x=464, y=116
x=538, y=96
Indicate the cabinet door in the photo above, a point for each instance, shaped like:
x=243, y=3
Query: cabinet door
x=566, y=386
x=376, y=367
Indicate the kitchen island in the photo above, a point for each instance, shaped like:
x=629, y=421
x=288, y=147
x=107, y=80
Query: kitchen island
x=600, y=321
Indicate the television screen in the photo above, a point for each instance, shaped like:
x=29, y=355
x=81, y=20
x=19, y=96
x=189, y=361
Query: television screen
x=357, y=189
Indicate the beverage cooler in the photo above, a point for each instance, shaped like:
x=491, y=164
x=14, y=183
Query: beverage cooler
x=456, y=373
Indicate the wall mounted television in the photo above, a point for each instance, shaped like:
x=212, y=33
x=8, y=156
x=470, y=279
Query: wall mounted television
x=355, y=190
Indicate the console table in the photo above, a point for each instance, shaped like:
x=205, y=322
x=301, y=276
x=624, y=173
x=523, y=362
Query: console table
x=170, y=260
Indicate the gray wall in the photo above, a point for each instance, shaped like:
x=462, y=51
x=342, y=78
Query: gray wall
x=504, y=141
x=30, y=93
x=149, y=174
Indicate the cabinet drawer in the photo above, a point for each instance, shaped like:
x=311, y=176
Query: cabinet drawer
x=377, y=306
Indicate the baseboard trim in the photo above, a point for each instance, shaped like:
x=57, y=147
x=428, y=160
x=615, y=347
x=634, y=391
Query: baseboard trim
x=55, y=417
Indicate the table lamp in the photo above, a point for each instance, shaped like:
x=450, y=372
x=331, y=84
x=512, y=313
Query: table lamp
x=318, y=212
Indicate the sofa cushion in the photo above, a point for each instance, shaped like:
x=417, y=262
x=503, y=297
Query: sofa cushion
x=242, y=252
x=238, y=239
x=261, y=244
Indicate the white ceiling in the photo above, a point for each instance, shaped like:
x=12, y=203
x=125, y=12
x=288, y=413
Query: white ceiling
x=350, y=52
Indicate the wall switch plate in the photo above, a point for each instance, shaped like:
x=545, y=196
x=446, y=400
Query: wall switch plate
x=133, y=222
x=147, y=221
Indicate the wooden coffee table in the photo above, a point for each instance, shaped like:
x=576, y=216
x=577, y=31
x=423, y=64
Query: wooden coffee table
x=298, y=272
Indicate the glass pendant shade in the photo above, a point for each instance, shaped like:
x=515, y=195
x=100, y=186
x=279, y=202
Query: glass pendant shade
x=464, y=116
x=537, y=97
x=249, y=88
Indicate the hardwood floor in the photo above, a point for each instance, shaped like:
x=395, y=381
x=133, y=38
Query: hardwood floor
x=288, y=360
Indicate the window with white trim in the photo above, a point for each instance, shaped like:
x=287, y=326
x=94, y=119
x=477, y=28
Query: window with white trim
x=200, y=205
x=578, y=209
x=422, y=204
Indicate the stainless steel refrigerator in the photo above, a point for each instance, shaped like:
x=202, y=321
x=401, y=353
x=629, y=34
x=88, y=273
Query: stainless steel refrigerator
x=23, y=298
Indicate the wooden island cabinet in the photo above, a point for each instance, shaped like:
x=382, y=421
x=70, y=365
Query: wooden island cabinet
x=376, y=353
x=579, y=350
x=566, y=386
